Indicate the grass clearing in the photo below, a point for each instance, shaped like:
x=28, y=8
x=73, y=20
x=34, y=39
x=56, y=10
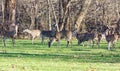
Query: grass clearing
x=36, y=57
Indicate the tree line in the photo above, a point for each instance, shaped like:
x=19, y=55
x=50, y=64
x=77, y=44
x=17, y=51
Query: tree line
x=84, y=15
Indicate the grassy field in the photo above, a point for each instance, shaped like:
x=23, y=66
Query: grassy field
x=36, y=57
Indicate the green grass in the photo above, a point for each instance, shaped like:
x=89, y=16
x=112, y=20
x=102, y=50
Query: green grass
x=36, y=57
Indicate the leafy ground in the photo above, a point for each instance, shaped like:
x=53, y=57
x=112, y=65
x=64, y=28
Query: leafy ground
x=36, y=57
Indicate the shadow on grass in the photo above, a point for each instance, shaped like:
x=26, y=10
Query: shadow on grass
x=81, y=57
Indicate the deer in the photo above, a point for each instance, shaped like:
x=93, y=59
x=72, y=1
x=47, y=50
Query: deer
x=94, y=35
x=67, y=34
x=111, y=37
x=82, y=37
x=33, y=34
x=9, y=31
x=87, y=36
x=40, y=33
x=48, y=33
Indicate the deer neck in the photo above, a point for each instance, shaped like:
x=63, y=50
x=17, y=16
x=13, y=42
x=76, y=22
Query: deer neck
x=29, y=31
x=75, y=34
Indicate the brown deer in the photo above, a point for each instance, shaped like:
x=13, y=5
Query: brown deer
x=111, y=37
x=59, y=35
x=9, y=31
x=33, y=33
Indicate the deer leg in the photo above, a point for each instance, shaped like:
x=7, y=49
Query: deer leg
x=79, y=42
x=88, y=43
x=71, y=43
x=4, y=41
x=58, y=43
x=51, y=42
x=98, y=43
x=42, y=41
x=13, y=42
x=68, y=43
x=109, y=45
x=32, y=40
x=113, y=44
x=30, y=37
x=92, y=43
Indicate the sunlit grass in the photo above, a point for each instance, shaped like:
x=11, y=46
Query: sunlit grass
x=36, y=57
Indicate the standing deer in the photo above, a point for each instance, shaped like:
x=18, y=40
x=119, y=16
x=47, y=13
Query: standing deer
x=82, y=37
x=48, y=33
x=111, y=37
x=87, y=36
x=33, y=33
x=42, y=34
x=9, y=31
x=59, y=35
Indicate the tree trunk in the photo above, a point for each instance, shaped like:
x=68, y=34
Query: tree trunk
x=65, y=5
x=33, y=13
x=13, y=8
x=10, y=10
x=3, y=11
x=56, y=20
x=82, y=13
x=49, y=15
x=32, y=22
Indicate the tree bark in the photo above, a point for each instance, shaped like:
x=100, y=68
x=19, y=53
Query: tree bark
x=49, y=15
x=56, y=21
x=10, y=10
x=3, y=11
x=82, y=13
x=65, y=13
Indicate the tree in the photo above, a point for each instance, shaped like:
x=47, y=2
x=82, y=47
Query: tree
x=32, y=10
x=82, y=13
x=64, y=13
x=10, y=11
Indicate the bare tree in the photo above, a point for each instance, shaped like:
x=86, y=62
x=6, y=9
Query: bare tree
x=3, y=11
x=10, y=11
x=83, y=13
x=65, y=4
x=32, y=11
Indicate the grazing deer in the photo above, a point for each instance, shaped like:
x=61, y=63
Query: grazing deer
x=59, y=35
x=9, y=32
x=111, y=37
x=33, y=33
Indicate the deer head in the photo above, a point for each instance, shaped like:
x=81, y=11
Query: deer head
x=54, y=27
x=25, y=30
